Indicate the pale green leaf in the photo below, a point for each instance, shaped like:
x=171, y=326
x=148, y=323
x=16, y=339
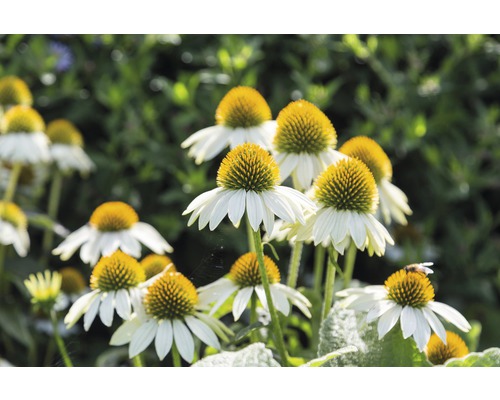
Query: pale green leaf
x=487, y=358
x=255, y=355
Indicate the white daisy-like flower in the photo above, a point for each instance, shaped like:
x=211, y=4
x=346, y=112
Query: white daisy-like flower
x=67, y=147
x=243, y=116
x=393, y=201
x=113, y=225
x=408, y=297
x=22, y=138
x=244, y=278
x=347, y=197
x=115, y=284
x=304, y=144
x=44, y=289
x=169, y=313
x=248, y=181
x=13, y=228
x=14, y=91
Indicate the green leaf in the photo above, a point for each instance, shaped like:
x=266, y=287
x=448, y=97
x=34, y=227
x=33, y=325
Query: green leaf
x=318, y=362
x=255, y=355
x=243, y=333
x=487, y=358
x=15, y=324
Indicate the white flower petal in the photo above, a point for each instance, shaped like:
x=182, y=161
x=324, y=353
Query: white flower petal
x=280, y=300
x=408, y=321
x=125, y=331
x=236, y=206
x=379, y=309
x=450, y=314
x=150, y=237
x=78, y=308
x=241, y=300
x=202, y=331
x=183, y=340
x=142, y=338
x=123, y=304
x=388, y=320
x=435, y=323
x=254, y=210
x=107, y=309
x=422, y=332
x=164, y=338
x=91, y=312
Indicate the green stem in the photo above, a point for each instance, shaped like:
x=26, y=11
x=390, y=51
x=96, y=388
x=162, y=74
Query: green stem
x=293, y=269
x=11, y=186
x=349, y=261
x=275, y=322
x=53, y=206
x=176, y=357
x=3, y=276
x=59, y=341
x=319, y=266
x=251, y=241
x=137, y=361
x=329, y=282
x=253, y=317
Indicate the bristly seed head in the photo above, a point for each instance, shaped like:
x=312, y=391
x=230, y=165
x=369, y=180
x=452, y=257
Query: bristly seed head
x=245, y=271
x=113, y=216
x=412, y=289
x=14, y=91
x=438, y=352
x=22, y=119
x=347, y=185
x=153, y=264
x=250, y=167
x=73, y=281
x=64, y=132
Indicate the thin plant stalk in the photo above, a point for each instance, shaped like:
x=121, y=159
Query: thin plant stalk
x=275, y=322
x=349, y=261
x=251, y=241
x=137, y=361
x=319, y=266
x=176, y=357
x=293, y=270
x=331, y=269
x=10, y=191
x=59, y=340
x=254, y=337
x=53, y=206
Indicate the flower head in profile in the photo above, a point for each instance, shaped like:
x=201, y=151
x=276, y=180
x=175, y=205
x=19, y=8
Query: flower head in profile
x=244, y=279
x=115, y=282
x=304, y=144
x=438, y=352
x=408, y=297
x=113, y=225
x=67, y=147
x=22, y=137
x=73, y=286
x=14, y=91
x=248, y=180
x=347, y=197
x=13, y=228
x=44, y=289
x=168, y=313
x=393, y=202
x=155, y=264
x=243, y=116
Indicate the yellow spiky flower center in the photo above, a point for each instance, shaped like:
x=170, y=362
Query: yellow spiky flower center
x=412, y=289
x=12, y=214
x=250, y=167
x=153, y=264
x=245, y=271
x=113, y=216
x=370, y=152
x=242, y=107
x=14, y=91
x=303, y=128
x=171, y=296
x=64, y=132
x=438, y=352
x=22, y=119
x=117, y=271
x=73, y=281
x=347, y=185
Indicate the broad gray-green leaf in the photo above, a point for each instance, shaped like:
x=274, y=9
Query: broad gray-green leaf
x=15, y=324
x=344, y=327
x=487, y=358
x=318, y=362
x=255, y=355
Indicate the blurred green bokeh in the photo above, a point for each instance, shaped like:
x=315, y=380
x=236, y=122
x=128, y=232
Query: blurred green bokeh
x=431, y=101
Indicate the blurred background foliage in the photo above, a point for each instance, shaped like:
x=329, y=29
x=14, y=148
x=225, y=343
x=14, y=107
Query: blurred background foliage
x=431, y=101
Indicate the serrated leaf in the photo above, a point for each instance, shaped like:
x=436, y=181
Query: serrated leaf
x=487, y=358
x=255, y=355
x=318, y=362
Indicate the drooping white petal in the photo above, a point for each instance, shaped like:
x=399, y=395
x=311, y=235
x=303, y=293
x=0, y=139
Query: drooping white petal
x=241, y=300
x=379, y=309
x=254, y=209
x=72, y=242
x=261, y=294
x=125, y=331
x=142, y=337
x=280, y=300
x=123, y=304
x=202, y=331
x=435, y=323
x=78, y=308
x=450, y=314
x=408, y=321
x=107, y=308
x=183, y=340
x=91, y=312
x=287, y=164
x=220, y=211
x=422, y=332
x=164, y=338
x=150, y=237
x=236, y=206
x=388, y=320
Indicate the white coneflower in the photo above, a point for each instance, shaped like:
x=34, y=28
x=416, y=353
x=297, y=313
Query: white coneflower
x=393, y=202
x=406, y=296
x=22, y=138
x=242, y=116
x=248, y=179
x=113, y=225
x=67, y=147
x=244, y=278
x=169, y=314
x=13, y=228
x=438, y=352
x=304, y=144
x=347, y=197
x=14, y=91
x=115, y=283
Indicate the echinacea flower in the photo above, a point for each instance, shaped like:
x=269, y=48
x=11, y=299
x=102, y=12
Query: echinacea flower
x=67, y=147
x=115, y=282
x=44, y=289
x=22, y=138
x=304, y=144
x=243, y=116
x=14, y=91
x=347, y=197
x=244, y=279
x=73, y=286
x=408, y=297
x=13, y=224
x=113, y=225
x=154, y=264
x=169, y=314
x=438, y=352
x=393, y=201
x=248, y=179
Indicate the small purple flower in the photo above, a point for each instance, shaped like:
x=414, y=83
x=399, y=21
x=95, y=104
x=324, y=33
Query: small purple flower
x=63, y=54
